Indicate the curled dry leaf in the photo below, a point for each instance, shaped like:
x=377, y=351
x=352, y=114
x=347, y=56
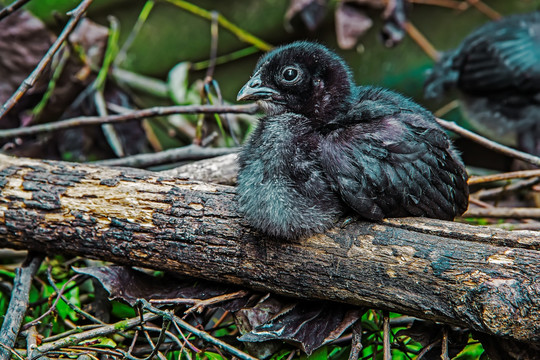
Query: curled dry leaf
x=308, y=325
x=351, y=24
x=249, y=318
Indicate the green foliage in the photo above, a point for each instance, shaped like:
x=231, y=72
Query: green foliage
x=121, y=310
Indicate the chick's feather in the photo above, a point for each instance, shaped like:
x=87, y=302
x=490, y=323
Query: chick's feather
x=496, y=70
x=327, y=148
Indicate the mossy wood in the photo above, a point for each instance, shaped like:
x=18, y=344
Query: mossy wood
x=483, y=278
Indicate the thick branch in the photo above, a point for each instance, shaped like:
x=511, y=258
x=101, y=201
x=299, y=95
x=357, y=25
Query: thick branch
x=480, y=277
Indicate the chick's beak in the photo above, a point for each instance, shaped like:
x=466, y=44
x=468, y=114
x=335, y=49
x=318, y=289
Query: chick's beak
x=254, y=90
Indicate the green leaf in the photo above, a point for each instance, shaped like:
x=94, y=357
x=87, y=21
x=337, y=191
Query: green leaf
x=471, y=352
x=319, y=354
x=7, y=274
x=212, y=356
x=177, y=82
x=122, y=310
x=101, y=341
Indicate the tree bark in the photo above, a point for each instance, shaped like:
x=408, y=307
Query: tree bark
x=479, y=277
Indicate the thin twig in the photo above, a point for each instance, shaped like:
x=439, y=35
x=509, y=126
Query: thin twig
x=162, y=334
x=473, y=180
x=78, y=329
x=185, y=153
x=356, y=341
x=222, y=59
x=535, y=160
x=446, y=108
x=503, y=212
x=8, y=10
x=18, y=303
x=133, y=341
x=9, y=349
x=485, y=9
x=427, y=349
x=53, y=306
x=533, y=226
x=199, y=304
x=135, y=30
x=421, y=40
x=140, y=82
x=225, y=314
x=199, y=333
x=89, y=349
x=479, y=202
x=498, y=191
x=72, y=306
x=100, y=331
x=387, y=353
x=76, y=14
x=444, y=345
x=226, y=24
x=214, y=35
x=452, y=4
x=134, y=115
x=172, y=336
x=108, y=129
x=186, y=341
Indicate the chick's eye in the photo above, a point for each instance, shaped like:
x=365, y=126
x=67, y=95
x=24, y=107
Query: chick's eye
x=290, y=74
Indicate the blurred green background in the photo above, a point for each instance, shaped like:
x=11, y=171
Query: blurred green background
x=172, y=35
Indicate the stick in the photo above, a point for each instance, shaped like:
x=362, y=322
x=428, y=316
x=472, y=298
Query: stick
x=535, y=160
x=199, y=333
x=421, y=40
x=134, y=115
x=18, y=303
x=504, y=176
x=485, y=9
x=387, y=353
x=452, y=4
x=99, y=331
x=190, y=152
x=503, y=212
x=11, y=8
x=498, y=191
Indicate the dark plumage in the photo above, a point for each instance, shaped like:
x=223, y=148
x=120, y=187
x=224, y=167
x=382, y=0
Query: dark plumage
x=327, y=148
x=496, y=70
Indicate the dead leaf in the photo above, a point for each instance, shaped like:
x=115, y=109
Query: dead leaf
x=311, y=13
x=395, y=17
x=126, y=284
x=24, y=40
x=308, y=325
x=351, y=24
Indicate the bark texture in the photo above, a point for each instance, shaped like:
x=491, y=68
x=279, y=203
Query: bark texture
x=483, y=278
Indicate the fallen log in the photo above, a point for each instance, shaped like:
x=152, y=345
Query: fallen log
x=482, y=278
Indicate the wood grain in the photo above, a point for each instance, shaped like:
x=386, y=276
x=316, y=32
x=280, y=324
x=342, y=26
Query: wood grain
x=483, y=278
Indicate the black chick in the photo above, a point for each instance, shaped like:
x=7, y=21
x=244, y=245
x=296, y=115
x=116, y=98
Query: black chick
x=326, y=147
x=496, y=70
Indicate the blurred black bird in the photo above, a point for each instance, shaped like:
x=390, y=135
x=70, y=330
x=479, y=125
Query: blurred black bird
x=328, y=148
x=496, y=70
